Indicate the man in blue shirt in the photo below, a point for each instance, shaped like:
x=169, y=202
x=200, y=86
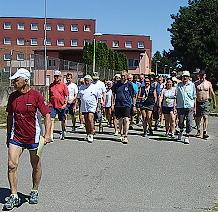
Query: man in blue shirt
x=124, y=99
x=185, y=104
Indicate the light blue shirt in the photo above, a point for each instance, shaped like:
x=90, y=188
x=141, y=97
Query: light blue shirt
x=185, y=95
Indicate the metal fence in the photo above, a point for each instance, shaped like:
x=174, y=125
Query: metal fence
x=11, y=60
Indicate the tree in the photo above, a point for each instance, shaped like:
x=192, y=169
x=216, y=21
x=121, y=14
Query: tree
x=106, y=59
x=194, y=36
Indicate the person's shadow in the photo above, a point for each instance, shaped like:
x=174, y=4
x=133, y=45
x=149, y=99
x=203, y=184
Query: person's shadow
x=5, y=192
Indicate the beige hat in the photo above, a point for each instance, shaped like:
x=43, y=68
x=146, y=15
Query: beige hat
x=95, y=76
x=186, y=73
x=88, y=77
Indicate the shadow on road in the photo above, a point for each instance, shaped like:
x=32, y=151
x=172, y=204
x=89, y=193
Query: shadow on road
x=5, y=192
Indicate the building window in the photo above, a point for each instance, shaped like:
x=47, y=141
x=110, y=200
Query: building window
x=33, y=42
x=86, y=41
x=7, y=41
x=128, y=44
x=136, y=63
x=7, y=56
x=133, y=63
x=130, y=62
x=141, y=45
x=60, y=42
x=20, y=56
x=20, y=26
x=7, y=25
x=6, y=69
x=115, y=44
x=48, y=27
x=87, y=28
x=60, y=27
x=48, y=42
x=74, y=28
x=51, y=62
x=34, y=26
x=20, y=42
x=74, y=42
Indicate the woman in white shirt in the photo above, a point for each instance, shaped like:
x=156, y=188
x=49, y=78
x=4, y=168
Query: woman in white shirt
x=168, y=103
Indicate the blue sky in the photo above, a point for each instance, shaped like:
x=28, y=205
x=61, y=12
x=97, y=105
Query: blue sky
x=144, y=17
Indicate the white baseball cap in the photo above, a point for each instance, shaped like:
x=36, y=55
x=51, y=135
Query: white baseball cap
x=186, y=73
x=57, y=73
x=22, y=72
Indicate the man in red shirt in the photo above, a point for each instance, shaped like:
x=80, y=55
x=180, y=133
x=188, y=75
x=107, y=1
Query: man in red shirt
x=23, y=132
x=58, y=96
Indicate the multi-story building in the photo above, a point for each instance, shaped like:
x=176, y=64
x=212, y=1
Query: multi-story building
x=21, y=39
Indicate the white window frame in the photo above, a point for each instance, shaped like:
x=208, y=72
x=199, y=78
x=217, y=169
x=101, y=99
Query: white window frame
x=115, y=44
x=20, y=41
x=20, y=58
x=59, y=43
x=6, y=68
x=7, y=42
x=33, y=43
x=128, y=44
x=87, y=28
x=20, y=26
x=72, y=42
x=74, y=28
x=48, y=42
x=48, y=27
x=7, y=25
x=60, y=27
x=5, y=58
x=141, y=46
x=34, y=26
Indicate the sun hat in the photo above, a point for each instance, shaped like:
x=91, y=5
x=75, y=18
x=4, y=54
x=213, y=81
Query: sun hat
x=22, y=72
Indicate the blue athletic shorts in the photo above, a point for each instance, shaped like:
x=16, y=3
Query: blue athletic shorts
x=25, y=146
x=61, y=113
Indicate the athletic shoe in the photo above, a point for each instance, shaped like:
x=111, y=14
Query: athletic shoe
x=90, y=138
x=116, y=133
x=121, y=138
x=34, y=197
x=130, y=127
x=179, y=136
x=186, y=140
x=166, y=135
x=150, y=132
x=73, y=129
x=62, y=135
x=198, y=134
x=11, y=202
x=145, y=133
x=205, y=135
x=125, y=140
x=172, y=136
x=82, y=126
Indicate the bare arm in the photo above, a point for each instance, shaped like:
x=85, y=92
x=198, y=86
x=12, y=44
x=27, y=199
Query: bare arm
x=9, y=127
x=47, y=123
x=212, y=95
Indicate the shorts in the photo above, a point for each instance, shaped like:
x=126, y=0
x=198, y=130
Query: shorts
x=167, y=110
x=60, y=112
x=202, y=108
x=122, y=112
x=25, y=146
x=69, y=109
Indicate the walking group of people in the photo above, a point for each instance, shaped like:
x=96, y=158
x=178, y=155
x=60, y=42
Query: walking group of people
x=123, y=102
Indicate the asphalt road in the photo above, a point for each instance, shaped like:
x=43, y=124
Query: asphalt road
x=154, y=174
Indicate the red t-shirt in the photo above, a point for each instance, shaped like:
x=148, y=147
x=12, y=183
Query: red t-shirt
x=25, y=109
x=57, y=94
